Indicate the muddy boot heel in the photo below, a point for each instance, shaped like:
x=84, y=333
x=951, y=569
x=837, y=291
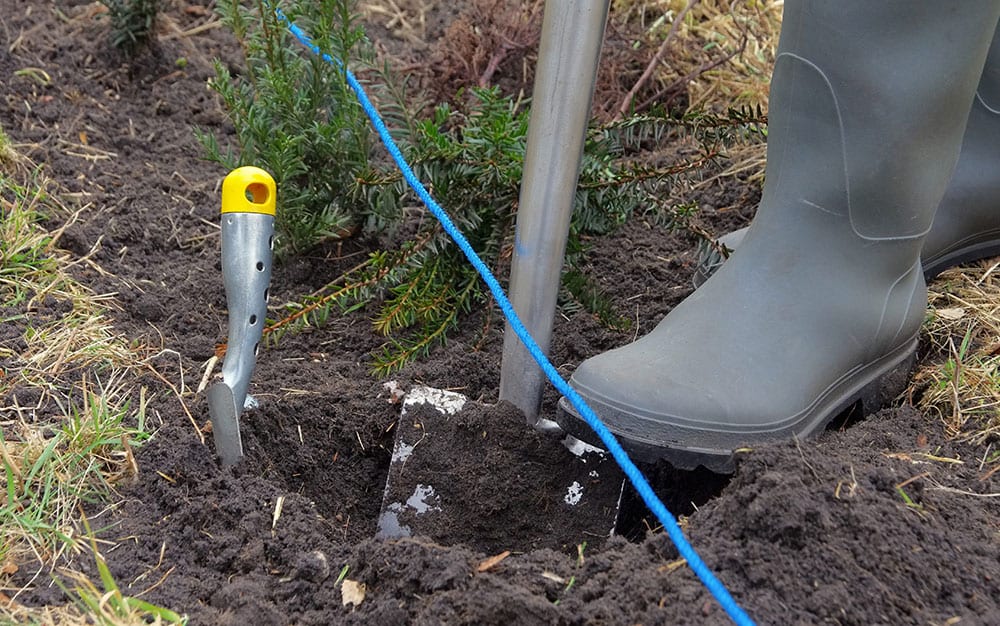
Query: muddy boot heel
x=881, y=392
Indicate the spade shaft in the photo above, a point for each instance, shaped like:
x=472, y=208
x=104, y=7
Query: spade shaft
x=572, y=31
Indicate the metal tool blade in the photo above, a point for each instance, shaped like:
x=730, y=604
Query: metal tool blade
x=225, y=424
x=575, y=487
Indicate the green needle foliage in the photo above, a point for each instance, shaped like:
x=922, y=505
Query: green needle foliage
x=472, y=160
x=133, y=23
x=295, y=115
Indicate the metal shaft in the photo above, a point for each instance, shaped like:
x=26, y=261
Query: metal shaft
x=572, y=31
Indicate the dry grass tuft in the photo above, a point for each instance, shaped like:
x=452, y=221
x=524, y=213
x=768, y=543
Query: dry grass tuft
x=719, y=56
x=404, y=19
x=959, y=380
x=70, y=410
x=58, y=615
x=9, y=157
x=710, y=56
x=679, y=54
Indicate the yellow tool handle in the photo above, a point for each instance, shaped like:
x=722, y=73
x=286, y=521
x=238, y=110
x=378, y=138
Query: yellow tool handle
x=248, y=190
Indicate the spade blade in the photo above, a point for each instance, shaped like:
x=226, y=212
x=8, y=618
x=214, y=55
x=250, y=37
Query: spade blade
x=225, y=424
x=463, y=471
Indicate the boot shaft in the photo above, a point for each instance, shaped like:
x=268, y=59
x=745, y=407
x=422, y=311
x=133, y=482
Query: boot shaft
x=868, y=107
x=988, y=93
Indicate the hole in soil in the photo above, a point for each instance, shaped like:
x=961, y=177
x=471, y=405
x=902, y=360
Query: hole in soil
x=302, y=447
x=682, y=492
x=848, y=417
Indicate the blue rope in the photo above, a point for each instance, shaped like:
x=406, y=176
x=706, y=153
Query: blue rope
x=714, y=586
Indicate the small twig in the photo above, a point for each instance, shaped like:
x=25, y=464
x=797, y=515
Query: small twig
x=673, y=170
x=990, y=473
x=162, y=580
x=498, y=57
x=939, y=487
x=698, y=71
x=704, y=67
x=9, y=462
x=657, y=58
x=912, y=479
x=173, y=388
x=132, y=466
x=191, y=32
x=852, y=488
x=209, y=368
x=798, y=446
x=278, y=505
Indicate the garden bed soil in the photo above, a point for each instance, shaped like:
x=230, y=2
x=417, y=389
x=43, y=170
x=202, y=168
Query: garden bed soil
x=802, y=533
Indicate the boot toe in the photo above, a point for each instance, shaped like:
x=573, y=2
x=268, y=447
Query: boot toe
x=652, y=411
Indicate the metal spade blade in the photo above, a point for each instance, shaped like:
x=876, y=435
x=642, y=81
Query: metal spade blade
x=225, y=424
x=452, y=457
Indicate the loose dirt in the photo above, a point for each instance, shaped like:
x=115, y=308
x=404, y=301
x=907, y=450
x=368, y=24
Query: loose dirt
x=803, y=533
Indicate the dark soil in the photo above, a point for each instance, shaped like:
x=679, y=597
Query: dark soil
x=802, y=533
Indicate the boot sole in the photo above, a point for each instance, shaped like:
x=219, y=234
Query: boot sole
x=873, y=386
x=965, y=254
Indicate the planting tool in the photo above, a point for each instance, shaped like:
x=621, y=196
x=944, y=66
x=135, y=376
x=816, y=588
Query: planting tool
x=248, y=201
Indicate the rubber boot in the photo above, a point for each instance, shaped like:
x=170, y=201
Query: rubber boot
x=967, y=224
x=821, y=304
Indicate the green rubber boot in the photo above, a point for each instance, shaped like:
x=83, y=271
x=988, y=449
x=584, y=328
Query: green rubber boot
x=967, y=223
x=820, y=305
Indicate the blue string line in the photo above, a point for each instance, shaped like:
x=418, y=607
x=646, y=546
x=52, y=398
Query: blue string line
x=714, y=586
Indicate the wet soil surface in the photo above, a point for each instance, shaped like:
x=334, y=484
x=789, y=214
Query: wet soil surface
x=803, y=533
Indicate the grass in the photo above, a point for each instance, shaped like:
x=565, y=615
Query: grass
x=107, y=605
x=8, y=155
x=71, y=413
x=959, y=380
x=103, y=604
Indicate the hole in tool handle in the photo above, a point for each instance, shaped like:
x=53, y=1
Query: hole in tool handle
x=249, y=190
x=258, y=193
